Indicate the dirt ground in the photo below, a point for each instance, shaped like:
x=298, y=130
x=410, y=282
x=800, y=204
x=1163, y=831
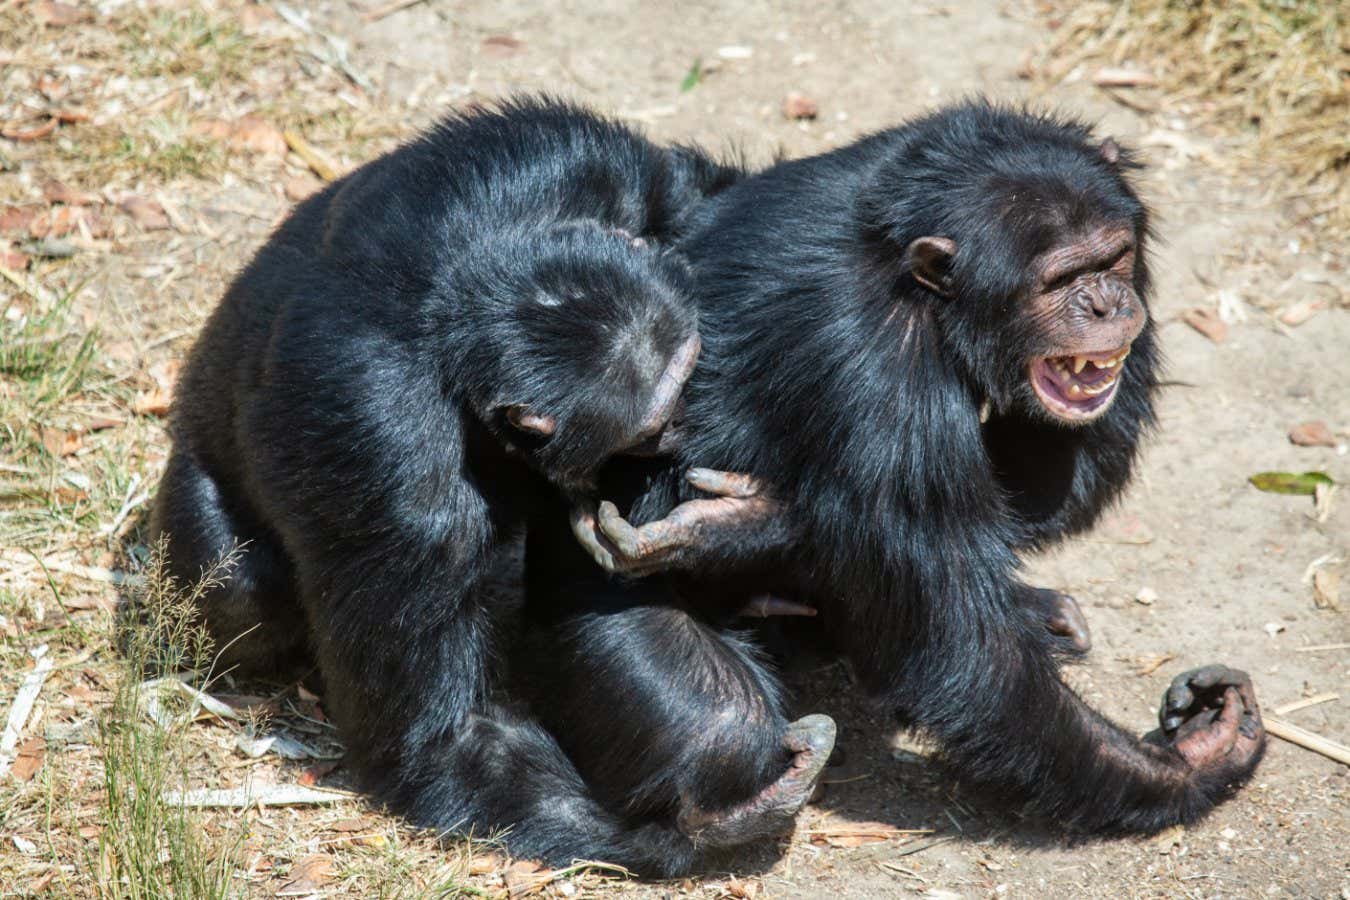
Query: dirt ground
x=1196, y=565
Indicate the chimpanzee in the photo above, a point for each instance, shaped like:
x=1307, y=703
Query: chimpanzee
x=860, y=310
x=420, y=353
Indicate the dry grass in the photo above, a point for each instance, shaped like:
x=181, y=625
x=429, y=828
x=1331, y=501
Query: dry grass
x=1275, y=71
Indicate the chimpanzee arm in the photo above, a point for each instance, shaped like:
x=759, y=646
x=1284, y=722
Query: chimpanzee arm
x=984, y=683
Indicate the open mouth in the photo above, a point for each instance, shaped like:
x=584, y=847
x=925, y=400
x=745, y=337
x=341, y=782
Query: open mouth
x=1078, y=388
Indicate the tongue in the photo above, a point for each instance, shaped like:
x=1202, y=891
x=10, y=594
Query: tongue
x=1091, y=374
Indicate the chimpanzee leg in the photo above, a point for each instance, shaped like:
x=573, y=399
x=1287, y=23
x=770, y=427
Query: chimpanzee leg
x=665, y=716
x=254, y=615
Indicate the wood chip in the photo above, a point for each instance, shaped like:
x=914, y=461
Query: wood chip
x=486, y=863
x=1207, y=322
x=501, y=46
x=1312, y=434
x=1147, y=665
x=1297, y=313
x=1120, y=77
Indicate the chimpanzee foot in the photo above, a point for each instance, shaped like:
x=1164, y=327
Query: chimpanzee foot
x=1063, y=618
x=772, y=810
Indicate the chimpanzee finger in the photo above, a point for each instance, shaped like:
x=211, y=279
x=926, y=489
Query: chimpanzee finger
x=615, y=527
x=724, y=484
x=583, y=522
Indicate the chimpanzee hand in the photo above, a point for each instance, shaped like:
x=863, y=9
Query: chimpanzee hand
x=685, y=538
x=1210, y=716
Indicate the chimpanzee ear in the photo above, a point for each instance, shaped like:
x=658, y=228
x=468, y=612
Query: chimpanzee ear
x=929, y=260
x=522, y=417
x=1109, y=150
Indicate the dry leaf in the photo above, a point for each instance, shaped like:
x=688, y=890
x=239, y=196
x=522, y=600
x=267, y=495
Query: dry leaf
x=799, y=106
x=18, y=131
x=70, y=116
x=1327, y=589
x=42, y=882
x=525, y=877
x=53, y=12
x=354, y=824
x=17, y=219
x=89, y=832
x=308, y=875
x=54, y=191
x=62, y=220
x=13, y=259
x=1297, y=313
x=312, y=775
x=1147, y=665
x=32, y=753
x=502, y=45
x=258, y=136
x=60, y=442
x=300, y=187
x=746, y=890
x=1207, y=322
x=1312, y=434
x=250, y=133
x=152, y=403
x=485, y=864
x=146, y=212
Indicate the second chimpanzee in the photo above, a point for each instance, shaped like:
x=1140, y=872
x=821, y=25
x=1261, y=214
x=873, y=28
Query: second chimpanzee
x=933, y=349
x=422, y=352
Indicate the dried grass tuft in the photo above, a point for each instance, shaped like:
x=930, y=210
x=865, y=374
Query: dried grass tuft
x=1275, y=70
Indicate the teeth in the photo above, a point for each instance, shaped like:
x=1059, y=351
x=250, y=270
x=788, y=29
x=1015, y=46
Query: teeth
x=1100, y=388
x=1078, y=363
x=1075, y=390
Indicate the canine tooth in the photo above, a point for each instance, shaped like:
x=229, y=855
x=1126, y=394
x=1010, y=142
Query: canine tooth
x=1078, y=363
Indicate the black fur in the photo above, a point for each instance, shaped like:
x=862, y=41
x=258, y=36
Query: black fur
x=343, y=416
x=855, y=393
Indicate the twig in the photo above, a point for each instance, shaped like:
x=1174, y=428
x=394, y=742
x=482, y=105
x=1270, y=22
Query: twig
x=880, y=831
x=23, y=707
x=132, y=501
x=264, y=795
x=389, y=9
x=1318, y=648
x=96, y=573
x=313, y=158
x=919, y=848
x=1308, y=740
x=1315, y=699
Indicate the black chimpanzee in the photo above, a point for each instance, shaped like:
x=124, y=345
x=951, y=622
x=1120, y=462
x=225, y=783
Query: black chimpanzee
x=417, y=356
x=859, y=310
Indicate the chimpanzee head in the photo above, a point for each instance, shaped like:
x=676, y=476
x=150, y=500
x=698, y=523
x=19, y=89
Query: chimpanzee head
x=1033, y=255
x=595, y=345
